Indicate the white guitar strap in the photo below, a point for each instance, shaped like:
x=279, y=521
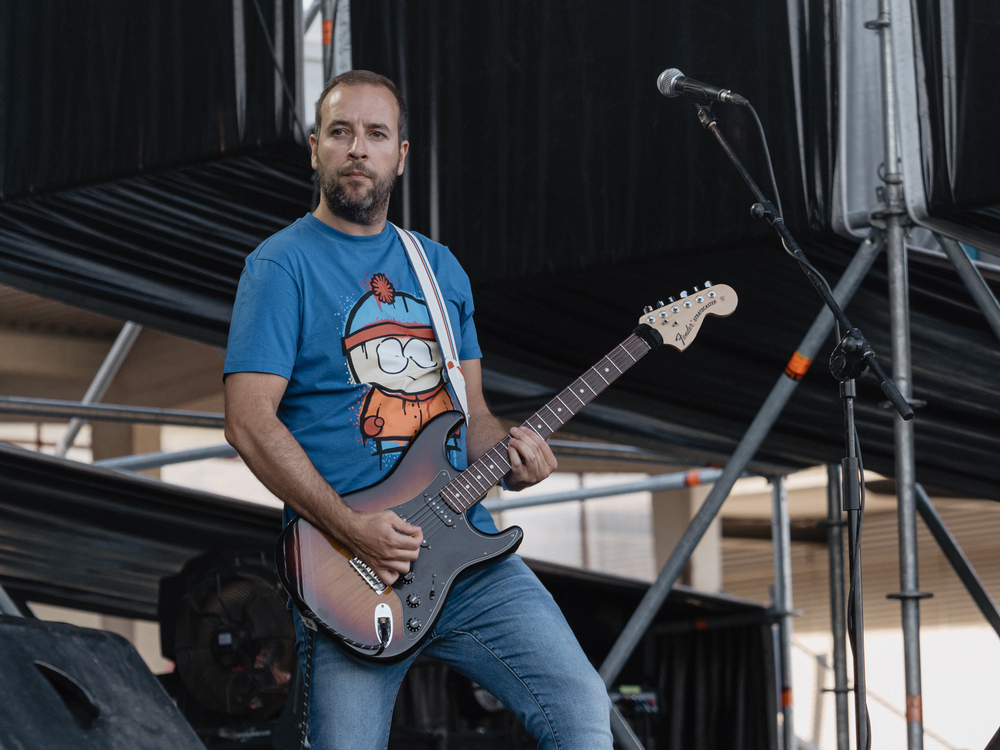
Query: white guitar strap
x=439, y=315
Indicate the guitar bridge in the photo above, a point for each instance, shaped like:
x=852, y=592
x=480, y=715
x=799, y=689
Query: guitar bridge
x=370, y=577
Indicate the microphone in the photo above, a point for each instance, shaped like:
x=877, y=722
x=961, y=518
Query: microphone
x=673, y=83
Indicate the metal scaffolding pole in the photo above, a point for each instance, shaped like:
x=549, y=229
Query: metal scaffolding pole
x=781, y=539
x=838, y=627
x=311, y=14
x=966, y=573
x=899, y=308
x=751, y=441
x=55, y=409
x=973, y=281
x=156, y=460
x=658, y=483
x=623, y=733
x=329, y=10
x=105, y=374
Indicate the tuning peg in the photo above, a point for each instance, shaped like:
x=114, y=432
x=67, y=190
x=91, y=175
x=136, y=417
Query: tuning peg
x=647, y=309
x=683, y=295
x=708, y=284
x=695, y=288
x=671, y=299
x=660, y=303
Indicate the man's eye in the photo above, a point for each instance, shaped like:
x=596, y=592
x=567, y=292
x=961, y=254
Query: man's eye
x=378, y=134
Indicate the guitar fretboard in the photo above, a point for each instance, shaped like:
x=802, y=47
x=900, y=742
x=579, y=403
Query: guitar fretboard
x=469, y=487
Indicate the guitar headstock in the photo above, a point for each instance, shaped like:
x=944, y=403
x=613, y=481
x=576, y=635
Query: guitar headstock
x=678, y=322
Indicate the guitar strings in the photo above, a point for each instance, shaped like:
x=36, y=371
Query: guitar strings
x=627, y=353
x=619, y=356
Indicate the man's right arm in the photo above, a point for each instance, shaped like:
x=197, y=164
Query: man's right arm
x=383, y=540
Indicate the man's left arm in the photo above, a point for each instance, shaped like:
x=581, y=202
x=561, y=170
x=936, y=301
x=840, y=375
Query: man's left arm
x=531, y=458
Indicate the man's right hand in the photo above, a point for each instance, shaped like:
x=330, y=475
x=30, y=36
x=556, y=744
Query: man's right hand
x=385, y=541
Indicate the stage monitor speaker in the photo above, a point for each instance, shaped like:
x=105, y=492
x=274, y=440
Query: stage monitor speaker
x=69, y=688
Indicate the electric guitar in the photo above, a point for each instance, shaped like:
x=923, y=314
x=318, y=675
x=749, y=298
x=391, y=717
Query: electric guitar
x=373, y=620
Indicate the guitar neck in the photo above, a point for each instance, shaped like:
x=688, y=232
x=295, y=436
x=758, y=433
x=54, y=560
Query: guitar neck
x=469, y=487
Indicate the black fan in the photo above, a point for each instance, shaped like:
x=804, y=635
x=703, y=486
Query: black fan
x=234, y=643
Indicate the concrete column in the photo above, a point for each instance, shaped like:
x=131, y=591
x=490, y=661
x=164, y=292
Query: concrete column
x=672, y=512
x=119, y=625
x=114, y=439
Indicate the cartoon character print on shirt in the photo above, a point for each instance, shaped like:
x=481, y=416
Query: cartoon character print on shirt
x=390, y=345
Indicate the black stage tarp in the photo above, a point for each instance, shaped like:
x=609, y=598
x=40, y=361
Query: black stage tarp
x=143, y=162
x=79, y=536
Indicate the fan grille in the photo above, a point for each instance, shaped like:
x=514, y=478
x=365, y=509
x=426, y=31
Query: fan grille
x=235, y=645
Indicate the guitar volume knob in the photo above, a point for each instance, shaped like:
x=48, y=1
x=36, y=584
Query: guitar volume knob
x=413, y=624
x=413, y=600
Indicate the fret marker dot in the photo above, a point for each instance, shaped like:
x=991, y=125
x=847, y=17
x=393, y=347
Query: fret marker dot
x=559, y=409
x=581, y=390
x=539, y=427
x=468, y=487
x=605, y=369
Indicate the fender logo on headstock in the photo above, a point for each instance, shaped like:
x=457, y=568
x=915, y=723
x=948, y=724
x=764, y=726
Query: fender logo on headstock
x=692, y=327
x=684, y=316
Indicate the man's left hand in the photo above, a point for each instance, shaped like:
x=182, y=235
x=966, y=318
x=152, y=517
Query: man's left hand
x=531, y=459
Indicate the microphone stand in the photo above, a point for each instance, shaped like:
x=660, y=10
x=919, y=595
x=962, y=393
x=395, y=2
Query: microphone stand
x=851, y=359
x=766, y=210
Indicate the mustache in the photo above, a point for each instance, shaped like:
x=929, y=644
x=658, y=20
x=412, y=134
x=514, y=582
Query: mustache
x=356, y=167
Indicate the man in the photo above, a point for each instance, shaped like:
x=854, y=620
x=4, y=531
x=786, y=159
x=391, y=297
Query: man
x=332, y=368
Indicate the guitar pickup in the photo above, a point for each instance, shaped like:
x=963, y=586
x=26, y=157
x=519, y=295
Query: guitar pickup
x=441, y=510
x=369, y=575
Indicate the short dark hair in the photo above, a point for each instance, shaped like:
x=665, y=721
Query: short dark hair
x=363, y=78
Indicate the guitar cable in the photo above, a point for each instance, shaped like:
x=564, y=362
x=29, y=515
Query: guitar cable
x=307, y=673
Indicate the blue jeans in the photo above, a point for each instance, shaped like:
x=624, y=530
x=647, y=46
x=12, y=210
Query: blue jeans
x=500, y=628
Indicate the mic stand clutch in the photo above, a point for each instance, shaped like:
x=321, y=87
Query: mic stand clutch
x=851, y=359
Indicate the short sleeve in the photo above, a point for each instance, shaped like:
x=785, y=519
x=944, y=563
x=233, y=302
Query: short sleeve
x=462, y=309
x=266, y=324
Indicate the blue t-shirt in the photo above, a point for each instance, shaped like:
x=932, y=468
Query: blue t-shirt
x=343, y=319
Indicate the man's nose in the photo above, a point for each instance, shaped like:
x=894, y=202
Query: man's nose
x=358, y=148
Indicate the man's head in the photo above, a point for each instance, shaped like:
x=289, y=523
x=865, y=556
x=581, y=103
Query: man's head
x=366, y=78
x=358, y=149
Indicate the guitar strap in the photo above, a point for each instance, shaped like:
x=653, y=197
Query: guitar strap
x=439, y=315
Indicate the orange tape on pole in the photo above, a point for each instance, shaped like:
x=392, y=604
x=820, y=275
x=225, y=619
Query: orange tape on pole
x=327, y=32
x=692, y=478
x=914, y=709
x=797, y=366
x=786, y=697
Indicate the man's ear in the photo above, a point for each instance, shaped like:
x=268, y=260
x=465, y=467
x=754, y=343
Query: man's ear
x=404, y=147
x=313, y=141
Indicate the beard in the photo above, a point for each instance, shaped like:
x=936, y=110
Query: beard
x=357, y=205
